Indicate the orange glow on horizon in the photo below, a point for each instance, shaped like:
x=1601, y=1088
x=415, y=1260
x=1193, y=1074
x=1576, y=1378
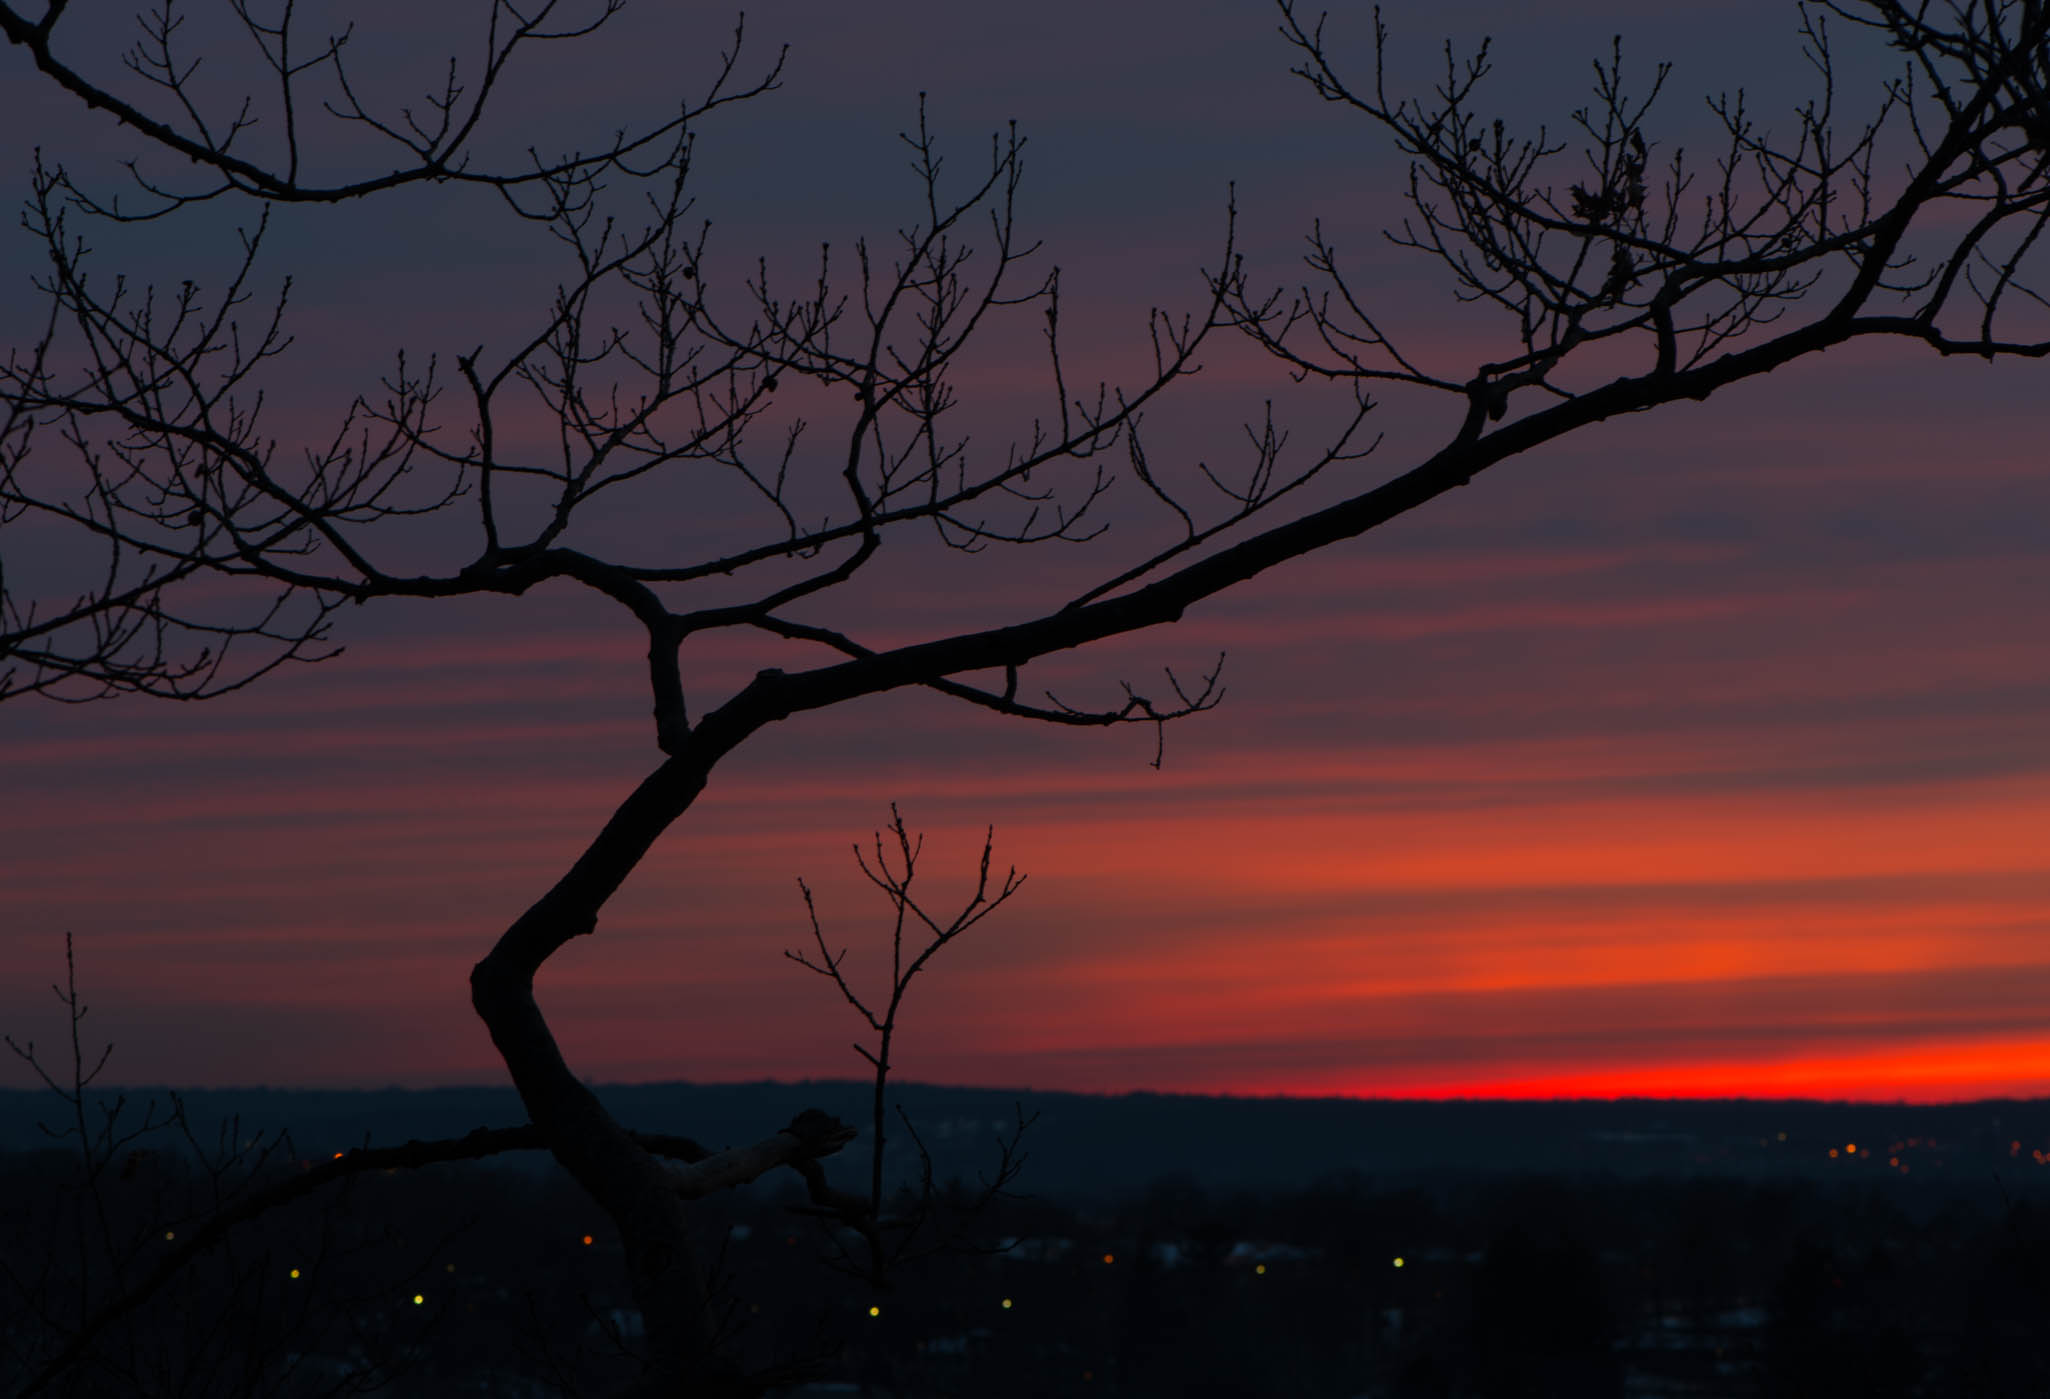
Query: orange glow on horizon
x=1657, y=871
x=1936, y=1073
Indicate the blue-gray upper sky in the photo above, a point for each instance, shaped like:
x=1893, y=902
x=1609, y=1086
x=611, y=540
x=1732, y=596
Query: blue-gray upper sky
x=1704, y=752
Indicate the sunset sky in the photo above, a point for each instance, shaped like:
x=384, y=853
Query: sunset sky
x=1707, y=753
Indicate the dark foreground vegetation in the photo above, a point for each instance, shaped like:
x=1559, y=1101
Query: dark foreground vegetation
x=504, y=1280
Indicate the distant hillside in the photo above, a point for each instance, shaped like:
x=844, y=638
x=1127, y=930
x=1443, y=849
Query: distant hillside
x=1088, y=1145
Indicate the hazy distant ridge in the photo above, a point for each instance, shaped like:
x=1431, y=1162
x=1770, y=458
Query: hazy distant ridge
x=1083, y=1143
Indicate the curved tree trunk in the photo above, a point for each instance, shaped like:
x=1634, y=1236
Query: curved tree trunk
x=594, y=1147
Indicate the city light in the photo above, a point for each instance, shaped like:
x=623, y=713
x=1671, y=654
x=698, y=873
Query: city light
x=1007, y=1304
x=1398, y=1262
x=587, y=1241
x=1260, y=1268
x=295, y=1272
x=875, y=1311
x=1851, y=1149
x=419, y=1299
x=170, y=1234
x=1110, y=1258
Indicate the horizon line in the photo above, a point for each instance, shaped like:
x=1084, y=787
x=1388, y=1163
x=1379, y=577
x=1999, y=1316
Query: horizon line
x=1106, y=1094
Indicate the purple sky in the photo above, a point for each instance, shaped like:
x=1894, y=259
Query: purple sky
x=1707, y=752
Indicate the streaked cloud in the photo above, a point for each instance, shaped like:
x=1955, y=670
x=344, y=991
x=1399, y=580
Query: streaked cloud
x=1705, y=754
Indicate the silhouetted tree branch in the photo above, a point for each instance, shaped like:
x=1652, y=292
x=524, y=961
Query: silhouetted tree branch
x=135, y=423
x=148, y=1199
x=866, y=1216
x=314, y=73
x=1595, y=242
x=246, y=1184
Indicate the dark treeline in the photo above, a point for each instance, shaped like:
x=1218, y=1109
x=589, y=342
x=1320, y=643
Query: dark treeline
x=475, y=1279
x=1087, y=1145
